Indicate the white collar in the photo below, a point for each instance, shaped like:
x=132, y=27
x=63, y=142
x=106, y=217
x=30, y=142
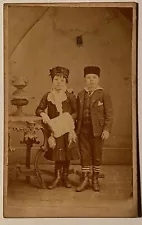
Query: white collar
x=57, y=98
x=97, y=88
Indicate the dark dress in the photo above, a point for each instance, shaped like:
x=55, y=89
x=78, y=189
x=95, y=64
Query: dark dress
x=62, y=151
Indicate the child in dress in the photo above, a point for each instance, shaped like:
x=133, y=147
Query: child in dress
x=59, y=120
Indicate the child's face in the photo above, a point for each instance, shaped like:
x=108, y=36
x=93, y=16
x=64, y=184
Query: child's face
x=91, y=80
x=59, y=82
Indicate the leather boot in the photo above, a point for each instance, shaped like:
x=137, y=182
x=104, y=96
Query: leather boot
x=57, y=180
x=65, y=177
x=85, y=182
x=95, y=181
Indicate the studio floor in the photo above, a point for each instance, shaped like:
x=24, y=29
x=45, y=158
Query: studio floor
x=114, y=199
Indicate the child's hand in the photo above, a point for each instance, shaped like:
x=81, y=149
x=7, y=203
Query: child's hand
x=52, y=141
x=45, y=118
x=72, y=137
x=105, y=135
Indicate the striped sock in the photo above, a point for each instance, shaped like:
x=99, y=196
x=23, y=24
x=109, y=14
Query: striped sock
x=96, y=169
x=86, y=169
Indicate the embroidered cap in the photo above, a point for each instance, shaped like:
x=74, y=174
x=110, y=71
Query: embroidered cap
x=92, y=70
x=59, y=71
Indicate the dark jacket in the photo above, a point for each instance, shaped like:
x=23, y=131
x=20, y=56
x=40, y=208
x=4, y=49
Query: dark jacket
x=100, y=109
x=62, y=150
x=70, y=106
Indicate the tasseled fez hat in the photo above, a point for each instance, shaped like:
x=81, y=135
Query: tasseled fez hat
x=59, y=71
x=92, y=70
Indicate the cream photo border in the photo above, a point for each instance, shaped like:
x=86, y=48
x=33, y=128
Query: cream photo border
x=3, y=156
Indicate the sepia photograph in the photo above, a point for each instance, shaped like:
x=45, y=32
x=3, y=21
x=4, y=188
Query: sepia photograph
x=70, y=111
